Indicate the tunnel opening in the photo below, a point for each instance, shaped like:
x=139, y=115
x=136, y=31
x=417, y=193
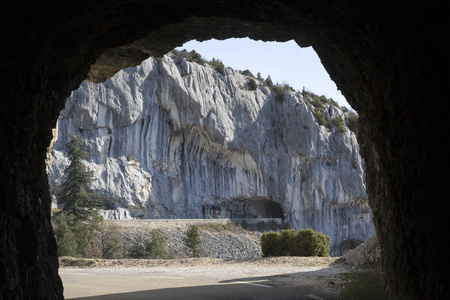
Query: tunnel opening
x=102, y=141
x=131, y=152
x=245, y=208
x=379, y=66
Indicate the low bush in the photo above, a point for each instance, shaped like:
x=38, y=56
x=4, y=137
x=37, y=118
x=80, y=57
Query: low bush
x=217, y=65
x=106, y=242
x=280, y=90
x=252, y=84
x=153, y=246
x=324, y=99
x=247, y=73
x=65, y=239
x=315, y=101
x=137, y=248
x=196, y=57
x=290, y=242
x=338, y=122
x=352, y=122
x=157, y=246
x=318, y=115
x=270, y=244
x=73, y=235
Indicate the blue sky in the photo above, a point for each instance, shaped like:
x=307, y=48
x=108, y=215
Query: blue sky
x=284, y=62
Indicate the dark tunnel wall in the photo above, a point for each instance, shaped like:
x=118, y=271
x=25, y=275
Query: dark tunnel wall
x=389, y=59
x=251, y=207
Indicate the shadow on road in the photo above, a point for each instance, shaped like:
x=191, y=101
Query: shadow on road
x=228, y=291
x=301, y=285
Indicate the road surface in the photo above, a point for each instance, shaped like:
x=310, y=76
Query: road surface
x=204, y=282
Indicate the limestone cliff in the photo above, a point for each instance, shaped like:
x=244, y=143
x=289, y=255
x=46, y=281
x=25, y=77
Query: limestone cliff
x=175, y=139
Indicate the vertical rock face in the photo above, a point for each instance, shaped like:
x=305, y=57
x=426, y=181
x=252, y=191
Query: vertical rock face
x=175, y=139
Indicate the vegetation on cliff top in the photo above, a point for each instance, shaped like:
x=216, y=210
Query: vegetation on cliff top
x=280, y=91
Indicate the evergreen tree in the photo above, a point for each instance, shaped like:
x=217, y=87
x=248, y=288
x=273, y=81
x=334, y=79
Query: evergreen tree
x=269, y=82
x=259, y=77
x=75, y=198
x=193, y=240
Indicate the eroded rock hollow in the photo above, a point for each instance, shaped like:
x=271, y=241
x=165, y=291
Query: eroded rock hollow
x=388, y=58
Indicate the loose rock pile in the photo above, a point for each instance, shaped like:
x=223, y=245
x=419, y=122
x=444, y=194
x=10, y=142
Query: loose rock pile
x=224, y=244
x=367, y=252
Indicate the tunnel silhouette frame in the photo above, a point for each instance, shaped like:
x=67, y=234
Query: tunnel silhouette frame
x=389, y=60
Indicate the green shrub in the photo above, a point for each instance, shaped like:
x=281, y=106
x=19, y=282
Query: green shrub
x=252, y=84
x=324, y=99
x=315, y=101
x=290, y=242
x=313, y=243
x=217, y=65
x=270, y=243
x=280, y=90
x=334, y=103
x=157, y=246
x=65, y=239
x=180, y=55
x=192, y=240
x=352, y=122
x=153, y=246
x=83, y=233
x=92, y=251
x=113, y=249
x=72, y=234
x=247, y=73
x=111, y=242
x=137, y=249
x=106, y=242
x=339, y=123
x=196, y=57
x=318, y=115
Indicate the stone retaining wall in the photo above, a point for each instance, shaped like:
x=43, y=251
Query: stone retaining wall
x=184, y=223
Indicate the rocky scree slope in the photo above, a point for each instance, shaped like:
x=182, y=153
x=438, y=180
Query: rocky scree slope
x=215, y=243
x=175, y=139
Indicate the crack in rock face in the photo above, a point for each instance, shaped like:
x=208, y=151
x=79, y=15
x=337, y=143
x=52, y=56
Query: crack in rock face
x=389, y=60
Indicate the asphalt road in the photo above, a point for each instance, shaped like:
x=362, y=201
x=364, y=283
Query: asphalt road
x=119, y=283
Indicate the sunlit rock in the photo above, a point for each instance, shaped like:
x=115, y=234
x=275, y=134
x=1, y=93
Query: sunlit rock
x=175, y=139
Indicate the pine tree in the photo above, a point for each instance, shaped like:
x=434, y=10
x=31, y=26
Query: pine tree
x=269, y=82
x=259, y=77
x=192, y=240
x=75, y=197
